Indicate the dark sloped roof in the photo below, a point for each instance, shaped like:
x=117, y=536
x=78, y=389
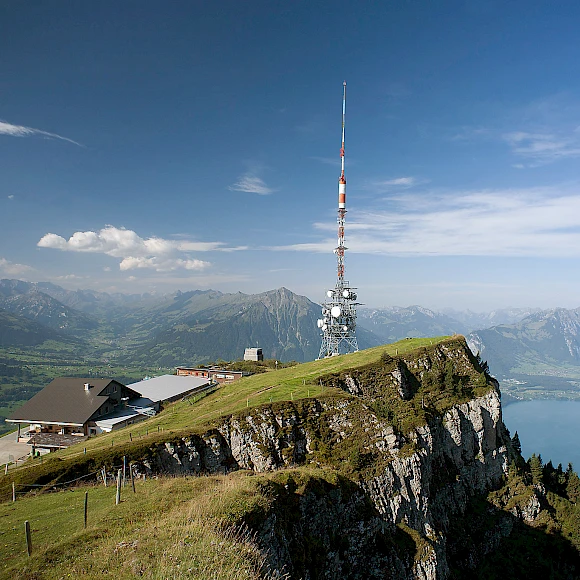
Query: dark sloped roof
x=55, y=440
x=64, y=400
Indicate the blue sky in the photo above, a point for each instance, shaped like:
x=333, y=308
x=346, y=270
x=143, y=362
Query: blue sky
x=156, y=146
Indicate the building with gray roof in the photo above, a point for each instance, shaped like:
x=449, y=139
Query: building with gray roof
x=169, y=387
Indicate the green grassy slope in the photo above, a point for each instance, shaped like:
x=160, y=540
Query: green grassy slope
x=195, y=416
x=289, y=384
x=171, y=528
x=203, y=526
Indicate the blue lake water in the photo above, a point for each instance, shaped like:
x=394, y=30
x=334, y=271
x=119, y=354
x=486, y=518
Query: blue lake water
x=551, y=428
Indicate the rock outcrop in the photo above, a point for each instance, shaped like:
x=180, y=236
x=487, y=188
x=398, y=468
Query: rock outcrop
x=413, y=481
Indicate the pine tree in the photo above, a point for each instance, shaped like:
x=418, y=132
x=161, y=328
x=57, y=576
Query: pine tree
x=572, y=484
x=482, y=364
x=512, y=470
x=535, y=463
x=516, y=443
x=449, y=378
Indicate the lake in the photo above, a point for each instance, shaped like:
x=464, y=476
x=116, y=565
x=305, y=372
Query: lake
x=548, y=427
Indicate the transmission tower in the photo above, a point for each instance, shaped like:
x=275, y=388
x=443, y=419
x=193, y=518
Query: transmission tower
x=338, y=322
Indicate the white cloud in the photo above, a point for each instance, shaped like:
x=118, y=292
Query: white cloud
x=252, y=184
x=21, y=131
x=162, y=264
x=11, y=269
x=70, y=277
x=538, y=222
x=136, y=252
x=11, y=196
x=404, y=181
x=543, y=148
x=389, y=185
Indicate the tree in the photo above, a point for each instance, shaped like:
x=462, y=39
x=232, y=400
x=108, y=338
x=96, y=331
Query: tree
x=482, y=364
x=572, y=484
x=516, y=443
x=512, y=470
x=449, y=379
x=535, y=463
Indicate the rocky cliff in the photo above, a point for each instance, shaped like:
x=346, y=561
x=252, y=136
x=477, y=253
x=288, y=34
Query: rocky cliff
x=418, y=437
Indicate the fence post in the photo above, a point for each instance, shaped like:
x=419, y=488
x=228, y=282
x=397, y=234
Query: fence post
x=118, y=494
x=130, y=437
x=124, y=470
x=28, y=538
x=6, y=469
x=105, y=475
x=13, y=492
x=132, y=478
x=86, y=507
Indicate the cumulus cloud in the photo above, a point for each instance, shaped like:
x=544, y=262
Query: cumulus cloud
x=537, y=222
x=11, y=269
x=250, y=183
x=21, y=131
x=135, y=252
x=11, y=196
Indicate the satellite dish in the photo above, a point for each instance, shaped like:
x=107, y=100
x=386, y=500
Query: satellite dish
x=319, y=323
x=324, y=327
x=335, y=312
x=345, y=293
x=345, y=328
x=330, y=293
x=353, y=295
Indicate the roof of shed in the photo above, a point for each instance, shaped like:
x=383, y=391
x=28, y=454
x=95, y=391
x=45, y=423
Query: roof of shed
x=168, y=386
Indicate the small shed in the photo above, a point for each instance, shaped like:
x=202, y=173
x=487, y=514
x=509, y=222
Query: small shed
x=254, y=354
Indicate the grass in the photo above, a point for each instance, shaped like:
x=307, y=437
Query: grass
x=356, y=454
x=171, y=528
x=196, y=526
x=293, y=383
x=188, y=418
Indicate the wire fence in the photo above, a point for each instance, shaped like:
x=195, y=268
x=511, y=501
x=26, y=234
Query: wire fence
x=101, y=475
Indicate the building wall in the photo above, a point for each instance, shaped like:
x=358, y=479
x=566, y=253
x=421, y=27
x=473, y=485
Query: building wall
x=254, y=354
x=218, y=375
x=184, y=372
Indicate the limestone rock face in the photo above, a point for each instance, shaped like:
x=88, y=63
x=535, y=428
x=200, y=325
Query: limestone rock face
x=418, y=482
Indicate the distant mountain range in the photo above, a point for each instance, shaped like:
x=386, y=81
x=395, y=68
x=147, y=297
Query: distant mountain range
x=181, y=328
x=187, y=328
x=546, y=339
x=394, y=323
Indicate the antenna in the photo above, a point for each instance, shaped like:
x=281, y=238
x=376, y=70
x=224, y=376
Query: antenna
x=338, y=322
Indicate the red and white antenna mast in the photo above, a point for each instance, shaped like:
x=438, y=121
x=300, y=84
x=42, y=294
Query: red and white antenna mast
x=338, y=320
x=341, y=196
